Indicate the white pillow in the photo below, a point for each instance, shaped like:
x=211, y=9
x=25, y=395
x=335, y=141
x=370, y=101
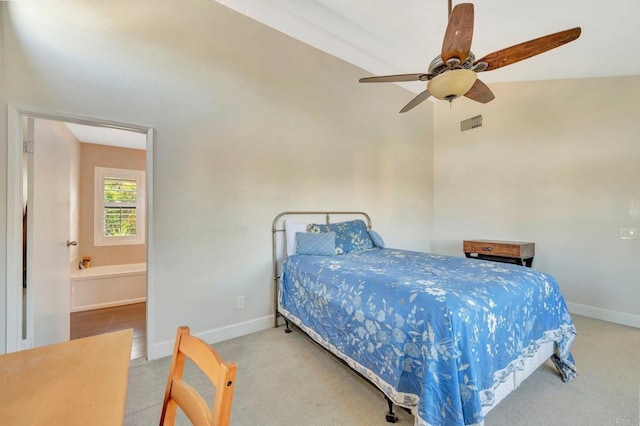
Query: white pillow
x=290, y=229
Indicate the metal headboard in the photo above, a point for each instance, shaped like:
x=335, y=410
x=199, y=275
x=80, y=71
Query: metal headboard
x=278, y=226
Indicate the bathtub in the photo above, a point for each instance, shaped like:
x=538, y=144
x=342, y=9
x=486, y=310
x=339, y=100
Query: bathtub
x=105, y=286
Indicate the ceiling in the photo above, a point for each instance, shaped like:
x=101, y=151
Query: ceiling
x=394, y=37
x=108, y=136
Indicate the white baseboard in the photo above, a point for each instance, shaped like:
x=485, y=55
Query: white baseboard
x=109, y=304
x=604, y=314
x=165, y=348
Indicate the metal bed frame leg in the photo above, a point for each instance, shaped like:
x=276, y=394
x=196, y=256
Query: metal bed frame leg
x=287, y=330
x=391, y=416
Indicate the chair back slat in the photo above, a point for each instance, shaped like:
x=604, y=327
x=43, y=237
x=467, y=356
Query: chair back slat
x=190, y=401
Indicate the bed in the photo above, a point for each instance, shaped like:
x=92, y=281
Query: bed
x=445, y=337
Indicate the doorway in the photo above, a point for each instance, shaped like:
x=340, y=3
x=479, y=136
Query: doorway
x=23, y=328
x=108, y=274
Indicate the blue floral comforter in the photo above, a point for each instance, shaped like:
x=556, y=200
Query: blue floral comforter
x=435, y=333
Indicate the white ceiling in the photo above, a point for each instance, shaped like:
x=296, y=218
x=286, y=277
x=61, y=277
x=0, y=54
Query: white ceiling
x=391, y=37
x=108, y=136
x=394, y=37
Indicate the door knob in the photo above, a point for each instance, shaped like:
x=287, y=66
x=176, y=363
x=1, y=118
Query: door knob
x=72, y=243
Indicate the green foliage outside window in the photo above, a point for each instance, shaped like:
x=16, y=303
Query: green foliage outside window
x=120, y=198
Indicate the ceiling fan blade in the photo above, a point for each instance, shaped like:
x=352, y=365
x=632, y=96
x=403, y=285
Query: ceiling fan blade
x=528, y=49
x=395, y=78
x=457, y=38
x=479, y=92
x=417, y=100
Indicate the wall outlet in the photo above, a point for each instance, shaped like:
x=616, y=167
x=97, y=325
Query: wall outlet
x=26, y=343
x=240, y=302
x=628, y=233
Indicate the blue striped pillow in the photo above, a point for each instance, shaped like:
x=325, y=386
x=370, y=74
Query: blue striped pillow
x=376, y=238
x=321, y=244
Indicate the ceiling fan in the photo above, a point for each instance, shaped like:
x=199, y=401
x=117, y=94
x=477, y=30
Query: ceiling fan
x=454, y=72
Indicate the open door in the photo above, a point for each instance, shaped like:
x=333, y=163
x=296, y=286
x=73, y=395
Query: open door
x=38, y=171
x=48, y=233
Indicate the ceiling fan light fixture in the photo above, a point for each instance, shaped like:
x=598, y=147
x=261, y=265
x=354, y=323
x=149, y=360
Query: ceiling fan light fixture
x=451, y=84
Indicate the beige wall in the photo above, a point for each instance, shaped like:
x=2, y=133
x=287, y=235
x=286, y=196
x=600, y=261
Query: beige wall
x=557, y=163
x=93, y=156
x=248, y=123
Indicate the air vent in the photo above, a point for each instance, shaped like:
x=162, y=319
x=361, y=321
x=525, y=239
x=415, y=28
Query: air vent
x=471, y=123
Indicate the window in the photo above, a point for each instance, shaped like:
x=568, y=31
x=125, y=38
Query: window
x=119, y=207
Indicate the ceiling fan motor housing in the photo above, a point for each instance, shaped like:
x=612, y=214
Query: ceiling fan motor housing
x=438, y=66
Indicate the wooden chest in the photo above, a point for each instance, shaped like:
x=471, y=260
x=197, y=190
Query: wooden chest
x=501, y=251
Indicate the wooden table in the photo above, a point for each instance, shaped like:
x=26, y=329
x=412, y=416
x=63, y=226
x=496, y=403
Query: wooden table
x=520, y=253
x=80, y=382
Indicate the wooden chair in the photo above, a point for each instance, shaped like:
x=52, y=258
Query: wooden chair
x=180, y=394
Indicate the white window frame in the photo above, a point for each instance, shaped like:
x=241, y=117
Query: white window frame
x=99, y=239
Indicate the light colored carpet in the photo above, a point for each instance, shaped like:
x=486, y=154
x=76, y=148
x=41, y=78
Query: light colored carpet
x=285, y=379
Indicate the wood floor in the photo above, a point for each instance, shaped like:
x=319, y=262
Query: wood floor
x=99, y=321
